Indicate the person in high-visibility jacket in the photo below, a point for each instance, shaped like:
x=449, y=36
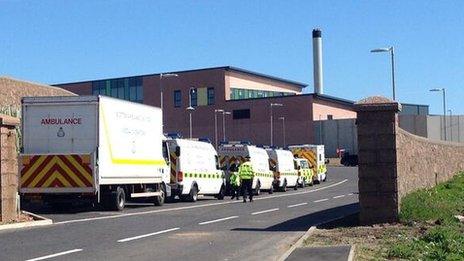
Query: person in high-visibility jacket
x=234, y=180
x=246, y=174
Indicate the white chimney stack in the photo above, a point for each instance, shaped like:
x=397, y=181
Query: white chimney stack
x=317, y=62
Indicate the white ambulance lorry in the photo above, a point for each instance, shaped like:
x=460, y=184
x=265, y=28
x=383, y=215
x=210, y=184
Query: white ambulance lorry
x=91, y=148
x=304, y=172
x=315, y=154
x=194, y=170
x=285, y=174
x=237, y=151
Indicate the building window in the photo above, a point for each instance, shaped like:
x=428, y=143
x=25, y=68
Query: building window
x=210, y=96
x=242, y=94
x=177, y=98
x=126, y=88
x=241, y=114
x=330, y=117
x=99, y=88
x=193, y=97
x=135, y=90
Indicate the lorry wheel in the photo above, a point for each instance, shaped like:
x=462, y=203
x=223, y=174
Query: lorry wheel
x=193, y=195
x=159, y=200
x=303, y=183
x=116, y=200
x=258, y=188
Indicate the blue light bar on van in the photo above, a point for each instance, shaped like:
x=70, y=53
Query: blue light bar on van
x=174, y=135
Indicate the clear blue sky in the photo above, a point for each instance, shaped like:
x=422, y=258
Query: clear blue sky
x=65, y=41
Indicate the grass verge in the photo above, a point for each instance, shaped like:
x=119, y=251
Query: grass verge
x=427, y=230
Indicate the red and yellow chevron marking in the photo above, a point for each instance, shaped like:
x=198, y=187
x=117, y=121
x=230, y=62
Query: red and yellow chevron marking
x=307, y=154
x=173, y=159
x=51, y=171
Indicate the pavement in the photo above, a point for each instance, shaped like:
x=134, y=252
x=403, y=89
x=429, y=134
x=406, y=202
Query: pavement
x=209, y=229
x=334, y=253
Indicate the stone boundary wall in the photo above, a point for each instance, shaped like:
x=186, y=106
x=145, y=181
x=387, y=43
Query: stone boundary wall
x=423, y=163
x=393, y=162
x=8, y=168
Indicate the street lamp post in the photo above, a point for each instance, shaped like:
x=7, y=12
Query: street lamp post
x=391, y=50
x=272, y=121
x=444, y=105
x=215, y=126
x=161, y=76
x=190, y=109
x=224, y=113
x=283, y=128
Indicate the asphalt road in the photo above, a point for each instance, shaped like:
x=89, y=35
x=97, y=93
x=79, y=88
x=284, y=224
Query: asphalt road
x=206, y=230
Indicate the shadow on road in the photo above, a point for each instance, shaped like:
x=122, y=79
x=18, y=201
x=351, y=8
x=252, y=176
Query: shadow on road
x=303, y=223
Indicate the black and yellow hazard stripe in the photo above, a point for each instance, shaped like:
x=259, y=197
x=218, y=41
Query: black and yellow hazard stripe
x=203, y=175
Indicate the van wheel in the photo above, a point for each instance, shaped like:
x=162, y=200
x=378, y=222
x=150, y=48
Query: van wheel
x=284, y=187
x=159, y=200
x=222, y=193
x=116, y=199
x=258, y=188
x=303, y=183
x=193, y=195
x=296, y=186
x=271, y=190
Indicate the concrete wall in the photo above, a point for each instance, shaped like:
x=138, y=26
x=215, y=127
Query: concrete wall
x=393, y=162
x=454, y=128
x=416, y=124
x=336, y=134
x=8, y=168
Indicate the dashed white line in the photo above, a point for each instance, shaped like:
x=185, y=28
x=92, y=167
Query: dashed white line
x=147, y=235
x=340, y=196
x=320, y=200
x=192, y=207
x=350, y=194
x=55, y=255
x=297, y=205
x=265, y=211
x=217, y=220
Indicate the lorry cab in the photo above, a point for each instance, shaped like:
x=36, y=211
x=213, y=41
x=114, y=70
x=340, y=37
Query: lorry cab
x=235, y=152
x=315, y=154
x=285, y=174
x=193, y=169
x=304, y=172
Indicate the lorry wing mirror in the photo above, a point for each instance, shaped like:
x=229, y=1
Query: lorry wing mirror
x=177, y=151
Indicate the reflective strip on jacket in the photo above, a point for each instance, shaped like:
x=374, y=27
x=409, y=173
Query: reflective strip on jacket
x=245, y=171
x=234, y=179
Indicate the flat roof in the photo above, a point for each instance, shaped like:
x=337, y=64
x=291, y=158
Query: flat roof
x=226, y=68
x=314, y=95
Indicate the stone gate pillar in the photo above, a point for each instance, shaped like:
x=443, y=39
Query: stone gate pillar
x=8, y=168
x=377, y=123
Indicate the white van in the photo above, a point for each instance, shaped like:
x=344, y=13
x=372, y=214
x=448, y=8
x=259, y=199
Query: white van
x=194, y=170
x=285, y=174
x=232, y=151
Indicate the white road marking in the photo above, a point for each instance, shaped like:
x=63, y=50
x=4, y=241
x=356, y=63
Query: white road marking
x=193, y=206
x=265, y=211
x=217, y=220
x=320, y=200
x=297, y=205
x=147, y=235
x=350, y=194
x=55, y=255
x=340, y=196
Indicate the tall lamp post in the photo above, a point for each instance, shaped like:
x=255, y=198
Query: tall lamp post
x=161, y=77
x=272, y=120
x=190, y=109
x=216, y=111
x=444, y=105
x=224, y=113
x=391, y=50
x=283, y=128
